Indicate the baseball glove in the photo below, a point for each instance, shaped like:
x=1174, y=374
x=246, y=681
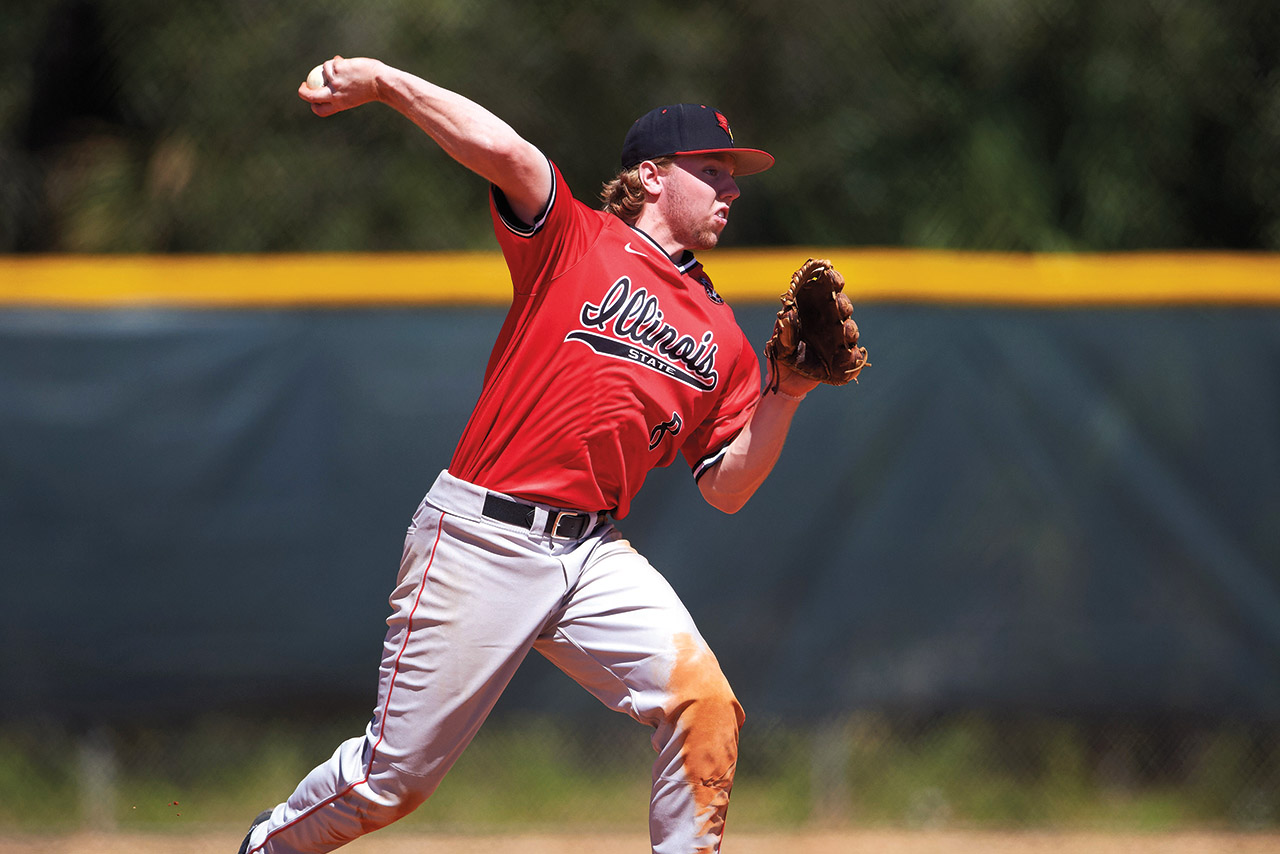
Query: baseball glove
x=814, y=334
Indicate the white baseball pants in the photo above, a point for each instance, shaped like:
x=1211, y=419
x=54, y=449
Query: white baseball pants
x=473, y=596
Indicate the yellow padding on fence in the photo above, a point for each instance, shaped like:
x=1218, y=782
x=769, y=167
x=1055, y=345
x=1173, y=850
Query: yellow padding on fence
x=469, y=278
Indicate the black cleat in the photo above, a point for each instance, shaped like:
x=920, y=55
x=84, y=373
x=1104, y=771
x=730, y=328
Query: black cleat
x=262, y=816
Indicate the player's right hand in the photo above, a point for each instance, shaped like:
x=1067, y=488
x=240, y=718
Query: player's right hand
x=348, y=83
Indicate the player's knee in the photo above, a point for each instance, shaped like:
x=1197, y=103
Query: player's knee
x=394, y=796
x=713, y=720
x=707, y=722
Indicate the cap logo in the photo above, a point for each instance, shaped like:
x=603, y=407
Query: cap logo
x=724, y=124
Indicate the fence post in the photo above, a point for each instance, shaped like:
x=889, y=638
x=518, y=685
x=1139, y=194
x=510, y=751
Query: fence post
x=830, y=802
x=97, y=778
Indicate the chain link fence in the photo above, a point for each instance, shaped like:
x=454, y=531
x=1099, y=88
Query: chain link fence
x=147, y=126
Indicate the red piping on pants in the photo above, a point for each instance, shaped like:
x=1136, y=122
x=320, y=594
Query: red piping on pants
x=386, y=703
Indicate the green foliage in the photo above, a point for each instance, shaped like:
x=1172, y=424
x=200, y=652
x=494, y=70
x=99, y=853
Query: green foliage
x=37, y=782
x=981, y=124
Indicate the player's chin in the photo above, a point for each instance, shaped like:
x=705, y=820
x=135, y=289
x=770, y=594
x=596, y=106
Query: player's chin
x=709, y=237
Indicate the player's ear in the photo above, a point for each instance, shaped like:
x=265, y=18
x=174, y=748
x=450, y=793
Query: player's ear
x=650, y=175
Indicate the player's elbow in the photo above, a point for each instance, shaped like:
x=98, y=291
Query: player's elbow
x=722, y=500
x=731, y=504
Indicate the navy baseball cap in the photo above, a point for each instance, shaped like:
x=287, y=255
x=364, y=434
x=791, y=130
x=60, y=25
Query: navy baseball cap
x=678, y=129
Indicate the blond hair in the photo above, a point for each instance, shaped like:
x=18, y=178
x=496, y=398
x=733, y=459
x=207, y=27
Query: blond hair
x=623, y=196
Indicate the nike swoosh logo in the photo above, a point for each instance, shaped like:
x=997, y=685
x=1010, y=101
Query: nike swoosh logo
x=635, y=251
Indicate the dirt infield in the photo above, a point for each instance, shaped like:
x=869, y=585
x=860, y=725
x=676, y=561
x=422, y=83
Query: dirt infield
x=852, y=842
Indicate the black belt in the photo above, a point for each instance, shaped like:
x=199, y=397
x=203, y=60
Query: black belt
x=565, y=524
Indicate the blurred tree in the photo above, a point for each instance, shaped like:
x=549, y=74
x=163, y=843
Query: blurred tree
x=980, y=124
x=71, y=127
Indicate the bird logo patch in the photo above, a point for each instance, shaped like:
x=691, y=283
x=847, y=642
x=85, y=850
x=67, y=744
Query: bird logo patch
x=711, y=290
x=724, y=124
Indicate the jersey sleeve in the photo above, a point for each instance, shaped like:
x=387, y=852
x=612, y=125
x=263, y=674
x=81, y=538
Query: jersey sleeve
x=708, y=443
x=537, y=252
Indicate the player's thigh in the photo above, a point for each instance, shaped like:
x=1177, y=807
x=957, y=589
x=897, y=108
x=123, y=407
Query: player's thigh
x=626, y=637
x=456, y=635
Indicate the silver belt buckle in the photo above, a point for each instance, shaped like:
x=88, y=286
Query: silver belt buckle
x=560, y=516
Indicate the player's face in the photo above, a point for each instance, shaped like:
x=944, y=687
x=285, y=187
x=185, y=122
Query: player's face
x=697, y=193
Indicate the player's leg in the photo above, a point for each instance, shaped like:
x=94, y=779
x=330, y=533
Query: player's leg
x=626, y=637
x=455, y=637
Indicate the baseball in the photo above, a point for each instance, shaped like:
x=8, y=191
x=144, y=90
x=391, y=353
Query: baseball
x=315, y=80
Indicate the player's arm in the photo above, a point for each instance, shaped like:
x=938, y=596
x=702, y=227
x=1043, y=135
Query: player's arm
x=467, y=132
x=751, y=455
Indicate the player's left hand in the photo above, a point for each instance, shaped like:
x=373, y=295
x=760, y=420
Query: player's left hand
x=789, y=382
x=814, y=334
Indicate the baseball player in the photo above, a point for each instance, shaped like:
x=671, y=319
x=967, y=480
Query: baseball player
x=617, y=356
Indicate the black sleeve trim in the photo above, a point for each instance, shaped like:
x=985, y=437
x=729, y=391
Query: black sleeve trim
x=708, y=461
x=512, y=222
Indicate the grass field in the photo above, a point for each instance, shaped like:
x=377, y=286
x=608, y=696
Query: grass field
x=533, y=786
x=828, y=842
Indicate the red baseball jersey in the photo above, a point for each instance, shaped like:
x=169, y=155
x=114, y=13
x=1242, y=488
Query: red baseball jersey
x=612, y=359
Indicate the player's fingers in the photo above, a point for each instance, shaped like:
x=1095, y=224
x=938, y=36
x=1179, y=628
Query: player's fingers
x=331, y=69
x=320, y=83
x=317, y=99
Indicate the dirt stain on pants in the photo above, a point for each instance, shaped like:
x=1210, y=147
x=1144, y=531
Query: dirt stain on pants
x=706, y=717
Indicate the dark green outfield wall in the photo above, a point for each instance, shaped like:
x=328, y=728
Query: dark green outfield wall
x=1062, y=511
